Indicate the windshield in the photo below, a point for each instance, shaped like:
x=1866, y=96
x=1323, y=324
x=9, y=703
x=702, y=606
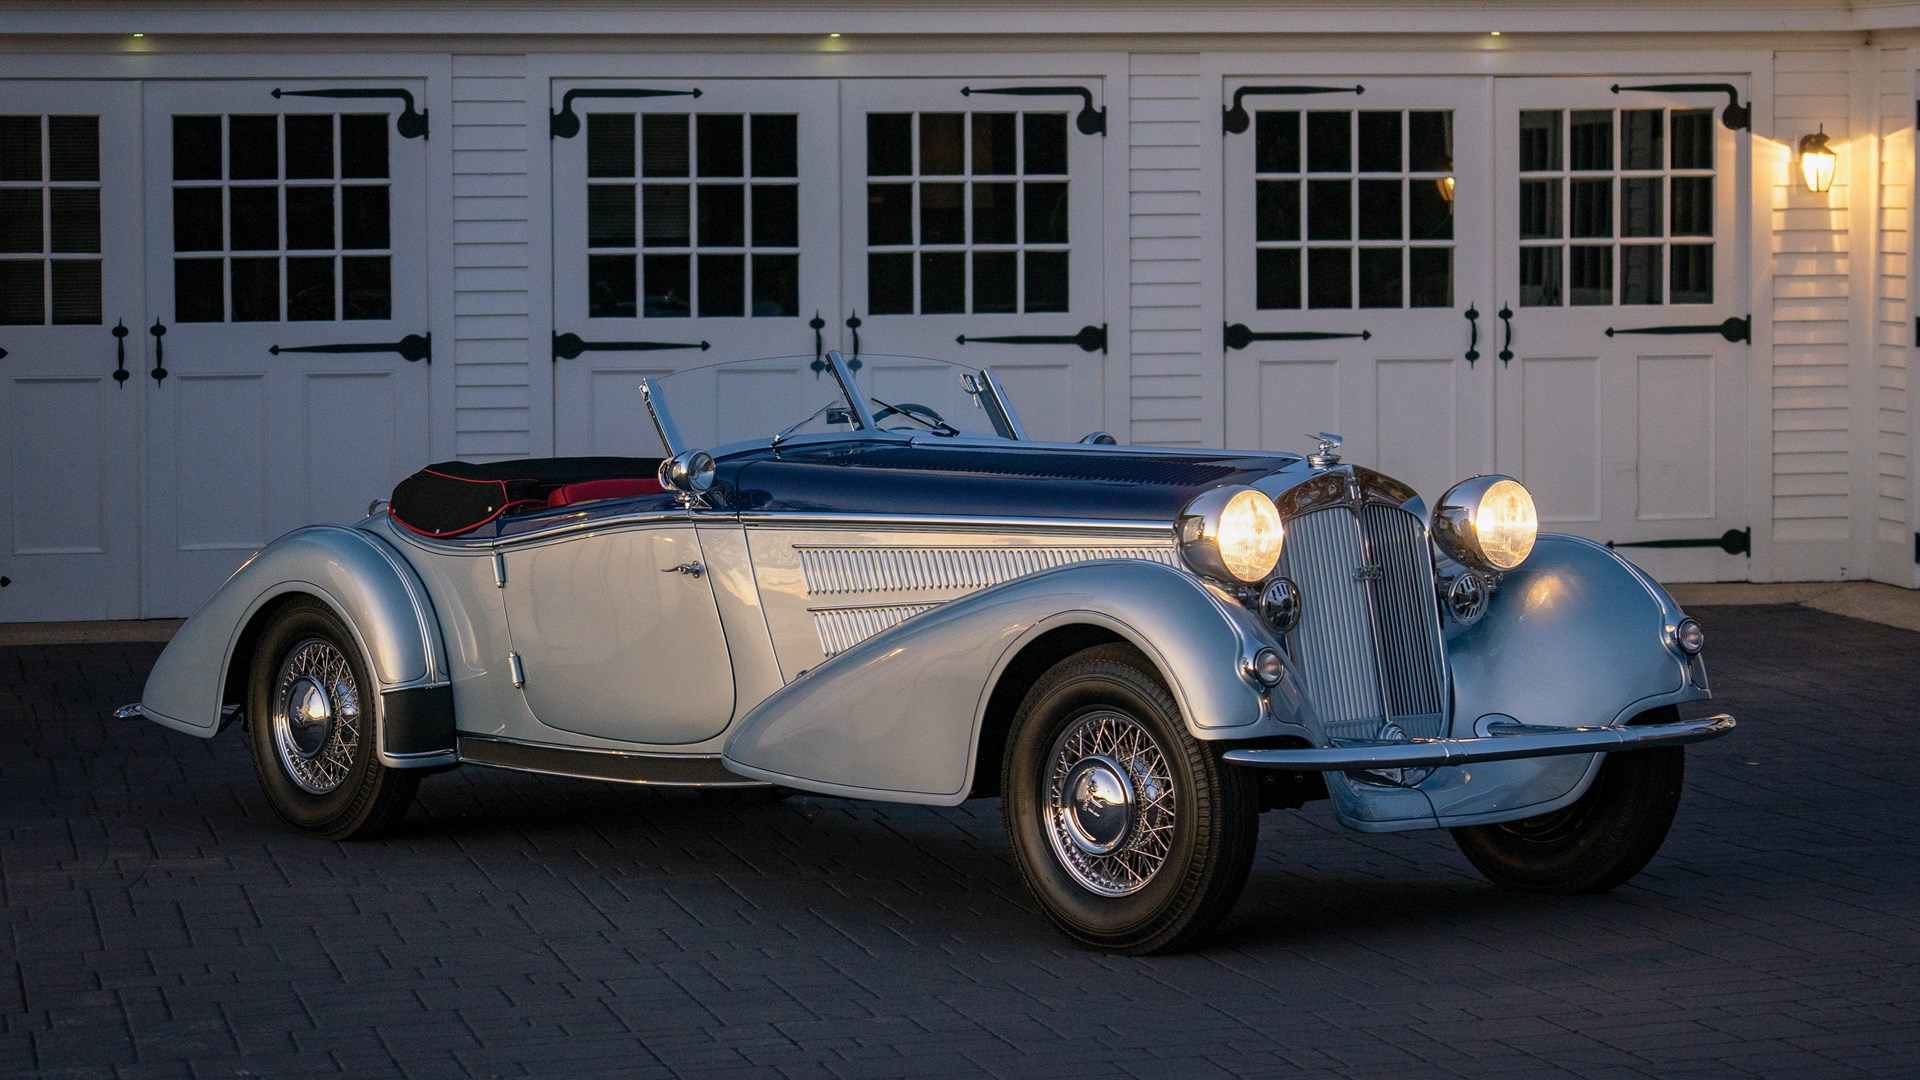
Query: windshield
x=783, y=398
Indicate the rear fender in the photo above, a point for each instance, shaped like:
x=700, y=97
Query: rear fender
x=373, y=591
x=898, y=717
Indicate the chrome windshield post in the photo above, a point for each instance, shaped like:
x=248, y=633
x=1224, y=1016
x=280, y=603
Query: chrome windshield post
x=845, y=377
x=670, y=436
x=1005, y=404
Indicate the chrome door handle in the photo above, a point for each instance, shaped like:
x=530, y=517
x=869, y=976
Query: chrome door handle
x=691, y=569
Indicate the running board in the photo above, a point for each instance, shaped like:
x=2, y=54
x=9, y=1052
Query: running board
x=619, y=766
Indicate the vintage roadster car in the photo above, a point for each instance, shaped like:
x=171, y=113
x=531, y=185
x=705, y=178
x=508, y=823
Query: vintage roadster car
x=873, y=585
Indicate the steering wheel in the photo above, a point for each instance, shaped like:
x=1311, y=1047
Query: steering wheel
x=916, y=410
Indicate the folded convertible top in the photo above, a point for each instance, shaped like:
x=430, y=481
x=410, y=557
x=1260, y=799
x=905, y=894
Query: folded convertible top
x=453, y=497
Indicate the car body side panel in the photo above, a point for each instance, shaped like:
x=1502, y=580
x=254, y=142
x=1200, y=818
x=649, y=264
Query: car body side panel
x=897, y=716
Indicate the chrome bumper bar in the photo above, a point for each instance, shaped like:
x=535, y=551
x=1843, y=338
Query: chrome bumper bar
x=1503, y=742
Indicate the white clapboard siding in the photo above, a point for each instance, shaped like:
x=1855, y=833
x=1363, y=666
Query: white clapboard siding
x=1892, y=431
x=493, y=374
x=1174, y=398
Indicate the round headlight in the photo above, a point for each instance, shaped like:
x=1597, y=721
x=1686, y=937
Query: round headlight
x=1230, y=532
x=1488, y=522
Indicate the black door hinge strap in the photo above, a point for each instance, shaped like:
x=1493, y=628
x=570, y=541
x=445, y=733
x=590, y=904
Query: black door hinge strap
x=409, y=124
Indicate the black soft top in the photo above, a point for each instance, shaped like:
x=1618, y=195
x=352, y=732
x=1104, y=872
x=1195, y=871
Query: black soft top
x=453, y=497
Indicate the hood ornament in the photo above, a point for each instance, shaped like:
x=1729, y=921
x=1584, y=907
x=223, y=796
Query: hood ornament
x=1329, y=453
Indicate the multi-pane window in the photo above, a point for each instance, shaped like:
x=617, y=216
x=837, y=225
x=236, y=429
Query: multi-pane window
x=693, y=214
x=49, y=220
x=281, y=217
x=1353, y=208
x=1616, y=206
x=966, y=212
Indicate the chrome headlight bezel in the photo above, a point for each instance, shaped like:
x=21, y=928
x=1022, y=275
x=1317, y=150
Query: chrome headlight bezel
x=1197, y=533
x=1456, y=523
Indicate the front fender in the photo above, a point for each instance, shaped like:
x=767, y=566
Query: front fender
x=373, y=591
x=898, y=717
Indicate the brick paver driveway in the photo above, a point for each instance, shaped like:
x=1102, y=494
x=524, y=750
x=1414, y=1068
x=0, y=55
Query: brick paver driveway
x=161, y=924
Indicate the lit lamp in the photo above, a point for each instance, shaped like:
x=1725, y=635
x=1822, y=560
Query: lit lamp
x=1817, y=161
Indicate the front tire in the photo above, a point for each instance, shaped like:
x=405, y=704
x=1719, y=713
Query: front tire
x=1599, y=841
x=310, y=724
x=1134, y=837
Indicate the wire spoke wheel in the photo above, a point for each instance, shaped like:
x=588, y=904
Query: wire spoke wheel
x=316, y=716
x=1111, y=804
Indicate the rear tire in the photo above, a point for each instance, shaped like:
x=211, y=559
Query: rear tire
x=1134, y=836
x=311, y=727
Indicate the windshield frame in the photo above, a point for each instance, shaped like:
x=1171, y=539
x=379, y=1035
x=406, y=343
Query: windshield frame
x=677, y=443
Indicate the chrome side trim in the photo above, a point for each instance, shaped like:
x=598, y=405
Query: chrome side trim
x=1504, y=742
x=620, y=766
x=936, y=522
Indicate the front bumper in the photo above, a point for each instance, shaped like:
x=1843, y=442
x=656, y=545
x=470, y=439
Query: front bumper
x=1503, y=742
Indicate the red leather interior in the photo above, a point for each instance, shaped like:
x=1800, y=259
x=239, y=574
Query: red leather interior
x=591, y=490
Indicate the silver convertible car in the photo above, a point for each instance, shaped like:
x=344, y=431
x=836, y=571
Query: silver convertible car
x=871, y=584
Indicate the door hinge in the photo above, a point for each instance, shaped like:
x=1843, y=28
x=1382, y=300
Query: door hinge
x=1733, y=542
x=499, y=570
x=518, y=669
x=1916, y=553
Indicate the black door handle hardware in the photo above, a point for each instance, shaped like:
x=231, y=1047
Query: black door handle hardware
x=409, y=124
x=1239, y=336
x=1735, y=116
x=570, y=346
x=1091, y=121
x=565, y=124
x=159, y=371
x=411, y=348
x=119, y=333
x=3, y=354
x=853, y=324
x=1736, y=329
x=1236, y=119
x=1473, y=343
x=817, y=324
x=1089, y=338
x=1733, y=542
x=1506, y=320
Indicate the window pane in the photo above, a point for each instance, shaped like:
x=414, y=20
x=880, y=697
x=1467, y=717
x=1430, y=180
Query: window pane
x=1380, y=142
x=776, y=145
x=1640, y=274
x=256, y=290
x=663, y=145
x=668, y=280
x=196, y=149
x=23, y=292
x=1046, y=281
x=76, y=219
x=611, y=219
x=22, y=221
x=723, y=213
x=665, y=219
x=722, y=152
x=1540, y=277
x=1046, y=143
x=1329, y=210
x=1539, y=209
x=199, y=293
x=1692, y=274
x=363, y=217
x=198, y=220
x=995, y=215
x=723, y=285
x=889, y=144
x=890, y=283
x=1380, y=209
x=310, y=290
x=776, y=215
x=1329, y=278
x=1540, y=140
x=368, y=281
x=996, y=279
x=1329, y=141
x=943, y=216
x=1380, y=278
x=1430, y=141
x=1640, y=206
x=76, y=292
x=1276, y=274
x=1591, y=209
x=255, y=225
x=20, y=156
x=942, y=152
x=1276, y=145
x=1590, y=138
x=1046, y=213
x=1693, y=138
x=1643, y=139
x=611, y=285
x=610, y=145
x=1276, y=210
x=1693, y=206
x=993, y=144
x=73, y=153
x=943, y=282
x=1431, y=273
x=363, y=146
x=776, y=286
x=253, y=148
x=1590, y=275
x=1429, y=212
x=889, y=214
x=310, y=147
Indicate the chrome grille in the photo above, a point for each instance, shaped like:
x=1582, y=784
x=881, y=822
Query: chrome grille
x=1360, y=675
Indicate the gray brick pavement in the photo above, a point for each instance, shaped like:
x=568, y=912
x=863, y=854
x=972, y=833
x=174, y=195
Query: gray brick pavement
x=161, y=924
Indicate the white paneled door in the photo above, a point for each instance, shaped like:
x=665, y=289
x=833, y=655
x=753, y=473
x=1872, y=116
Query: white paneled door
x=72, y=362
x=1358, y=217
x=287, y=332
x=1623, y=319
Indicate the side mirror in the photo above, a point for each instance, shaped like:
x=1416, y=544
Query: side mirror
x=1099, y=438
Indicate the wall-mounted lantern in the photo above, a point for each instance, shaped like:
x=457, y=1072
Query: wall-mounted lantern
x=1817, y=161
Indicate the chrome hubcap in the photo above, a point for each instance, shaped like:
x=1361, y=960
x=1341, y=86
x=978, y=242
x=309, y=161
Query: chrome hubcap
x=316, y=716
x=1110, y=804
